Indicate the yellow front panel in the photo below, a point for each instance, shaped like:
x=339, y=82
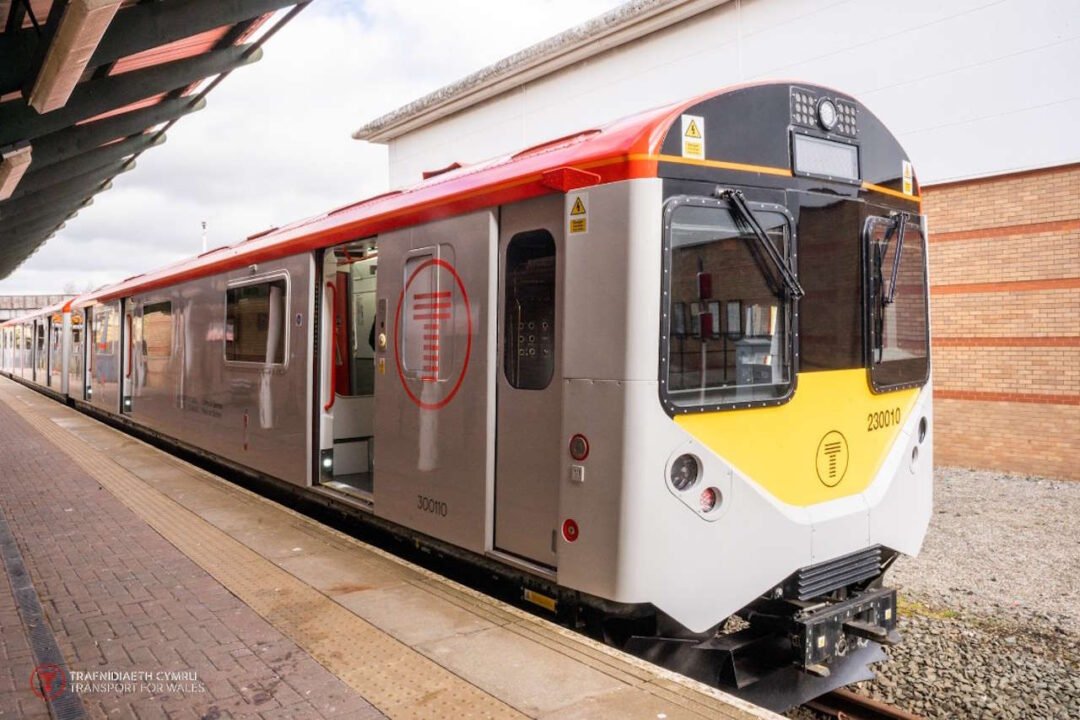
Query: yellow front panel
x=826, y=443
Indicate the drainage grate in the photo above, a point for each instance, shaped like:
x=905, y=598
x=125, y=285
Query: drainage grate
x=66, y=705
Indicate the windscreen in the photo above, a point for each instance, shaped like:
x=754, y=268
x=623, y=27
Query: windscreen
x=898, y=337
x=727, y=326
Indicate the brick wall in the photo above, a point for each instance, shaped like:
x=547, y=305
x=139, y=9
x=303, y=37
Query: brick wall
x=1005, y=291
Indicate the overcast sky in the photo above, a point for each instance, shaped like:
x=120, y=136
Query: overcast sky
x=273, y=144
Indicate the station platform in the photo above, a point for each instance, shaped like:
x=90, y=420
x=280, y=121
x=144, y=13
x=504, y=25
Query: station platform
x=138, y=586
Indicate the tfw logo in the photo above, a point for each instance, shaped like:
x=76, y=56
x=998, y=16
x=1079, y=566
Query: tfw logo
x=48, y=681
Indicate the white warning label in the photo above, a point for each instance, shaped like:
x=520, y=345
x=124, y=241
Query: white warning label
x=693, y=137
x=577, y=214
x=909, y=178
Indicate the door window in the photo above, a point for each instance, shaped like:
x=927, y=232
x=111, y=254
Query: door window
x=529, y=319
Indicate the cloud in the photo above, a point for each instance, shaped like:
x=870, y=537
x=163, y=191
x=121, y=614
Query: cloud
x=273, y=144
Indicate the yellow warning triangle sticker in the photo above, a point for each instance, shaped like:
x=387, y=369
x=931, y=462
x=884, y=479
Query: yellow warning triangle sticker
x=579, y=207
x=692, y=130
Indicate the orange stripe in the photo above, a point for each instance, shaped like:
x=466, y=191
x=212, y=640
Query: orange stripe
x=890, y=191
x=1011, y=286
x=742, y=167
x=1006, y=397
x=764, y=169
x=1049, y=341
x=1005, y=230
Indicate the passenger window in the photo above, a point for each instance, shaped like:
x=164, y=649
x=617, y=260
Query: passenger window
x=158, y=330
x=255, y=322
x=428, y=320
x=106, y=330
x=529, y=313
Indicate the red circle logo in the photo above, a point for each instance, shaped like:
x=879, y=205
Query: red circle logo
x=48, y=681
x=570, y=531
x=430, y=311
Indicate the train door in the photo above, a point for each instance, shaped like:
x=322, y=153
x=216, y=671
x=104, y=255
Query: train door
x=28, y=351
x=20, y=350
x=347, y=433
x=89, y=350
x=56, y=357
x=528, y=387
x=131, y=338
x=108, y=348
x=77, y=357
x=41, y=352
x=435, y=378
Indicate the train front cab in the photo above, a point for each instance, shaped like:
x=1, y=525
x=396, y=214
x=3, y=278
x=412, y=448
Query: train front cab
x=748, y=358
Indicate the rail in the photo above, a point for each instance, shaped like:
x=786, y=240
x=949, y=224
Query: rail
x=846, y=705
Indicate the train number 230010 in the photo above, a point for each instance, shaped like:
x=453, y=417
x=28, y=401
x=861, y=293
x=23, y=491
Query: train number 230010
x=882, y=419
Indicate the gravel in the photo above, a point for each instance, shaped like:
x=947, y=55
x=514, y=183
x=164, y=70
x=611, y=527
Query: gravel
x=990, y=610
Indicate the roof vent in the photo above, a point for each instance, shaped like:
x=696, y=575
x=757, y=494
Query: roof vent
x=557, y=143
x=260, y=234
x=428, y=174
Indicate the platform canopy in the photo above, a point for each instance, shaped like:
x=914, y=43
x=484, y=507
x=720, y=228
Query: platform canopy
x=88, y=85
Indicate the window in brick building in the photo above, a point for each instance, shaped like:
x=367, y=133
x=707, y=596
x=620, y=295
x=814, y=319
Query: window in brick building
x=896, y=304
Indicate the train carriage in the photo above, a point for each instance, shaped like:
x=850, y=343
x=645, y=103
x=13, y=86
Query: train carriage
x=663, y=373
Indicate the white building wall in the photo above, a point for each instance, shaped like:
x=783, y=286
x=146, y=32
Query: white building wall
x=955, y=80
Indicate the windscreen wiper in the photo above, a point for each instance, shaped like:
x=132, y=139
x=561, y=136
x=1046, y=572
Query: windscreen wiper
x=898, y=228
x=735, y=197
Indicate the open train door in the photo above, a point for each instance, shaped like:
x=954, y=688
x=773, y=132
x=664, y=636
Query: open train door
x=347, y=351
x=529, y=388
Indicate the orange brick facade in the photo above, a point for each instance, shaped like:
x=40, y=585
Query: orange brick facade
x=1005, y=318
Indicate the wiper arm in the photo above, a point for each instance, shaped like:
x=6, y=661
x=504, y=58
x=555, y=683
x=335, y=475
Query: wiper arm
x=735, y=197
x=901, y=223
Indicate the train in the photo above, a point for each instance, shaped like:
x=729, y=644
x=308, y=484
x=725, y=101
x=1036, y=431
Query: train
x=671, y=375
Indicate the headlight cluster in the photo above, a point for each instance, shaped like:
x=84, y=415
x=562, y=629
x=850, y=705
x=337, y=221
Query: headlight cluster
x=685, y=474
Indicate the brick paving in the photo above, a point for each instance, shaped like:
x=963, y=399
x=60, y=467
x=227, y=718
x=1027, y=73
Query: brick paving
x=120, y=598
x=16, y=660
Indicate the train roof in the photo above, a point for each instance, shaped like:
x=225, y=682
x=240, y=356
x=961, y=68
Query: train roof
x=60, y=307
x=624, y=149
x=627, y=148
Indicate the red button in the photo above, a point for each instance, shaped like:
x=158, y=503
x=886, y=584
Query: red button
x=579, y=447
x=570, y=531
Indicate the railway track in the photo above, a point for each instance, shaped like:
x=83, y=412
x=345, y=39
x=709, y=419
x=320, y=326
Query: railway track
x=846, y=705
